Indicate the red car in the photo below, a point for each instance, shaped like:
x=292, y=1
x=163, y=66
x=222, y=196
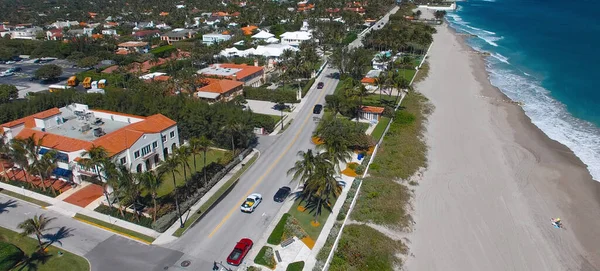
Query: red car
x=239, y=251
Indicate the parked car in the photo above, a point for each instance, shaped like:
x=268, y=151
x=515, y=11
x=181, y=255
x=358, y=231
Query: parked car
x=10, y=62
x=320, y=85
x=6, y=73
x=282, y=194
x=251, y=203
x=317, y=109
x=15, y=69
x=239, y=251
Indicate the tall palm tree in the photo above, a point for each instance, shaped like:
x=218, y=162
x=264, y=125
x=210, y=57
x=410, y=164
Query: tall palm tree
x=151, y=182
x=336, y=150
x=233, y=127
x=97, y=158
x=33, y=146
x=304, y=168
x=37, y=226
x=5, y=155
x=19, y=154
x=183, y=154
x=361, y=91
x=203, y=145
x=320, y=189
x=171, y=164
x=124, y=186
x=45, y=167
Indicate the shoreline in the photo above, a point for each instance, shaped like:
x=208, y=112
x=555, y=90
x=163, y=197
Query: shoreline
x=502, y=190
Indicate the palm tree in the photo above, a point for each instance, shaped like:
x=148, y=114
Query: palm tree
x=46, y=166
x=151, y=182
x=233, y=127
x=361, y=91
x=171, y=164
x=97, y=158
x=36, y=225
x=32, y=148
x=203, y=145
x=124, y=186
x=304, y=168
x=320, y=189
x=20, y=158
x=336, y=149
x=5, y=155
x=183, y=154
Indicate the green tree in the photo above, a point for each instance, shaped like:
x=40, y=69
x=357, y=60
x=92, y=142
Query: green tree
x=7, y=93
x=171, y=164
x=46, y=165
x=304, y=168
x=48, y=72
x=151, y=182
x=88, y=62
x=36, y=226
x=5, y=156
x=183, y=154
x=202, y=144
x=97, y=158
x=320, y=189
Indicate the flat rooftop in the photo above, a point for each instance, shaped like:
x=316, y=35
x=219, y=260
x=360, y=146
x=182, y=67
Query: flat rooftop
x=82, y=126
x=219, y=71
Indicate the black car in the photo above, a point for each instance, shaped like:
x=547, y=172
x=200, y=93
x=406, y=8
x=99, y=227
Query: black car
x=282, y=194
x=320, y=85
x=317, y=109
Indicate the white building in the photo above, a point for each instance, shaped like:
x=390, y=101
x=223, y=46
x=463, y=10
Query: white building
x=295, y=38
x=109, y=32
x=23, y=33
x=268, y=51
x=61, y=24
x=263, y=35
x=139, y=143
x=213, y=38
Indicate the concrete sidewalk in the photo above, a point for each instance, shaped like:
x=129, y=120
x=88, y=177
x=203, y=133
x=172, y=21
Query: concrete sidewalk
x=167, y=236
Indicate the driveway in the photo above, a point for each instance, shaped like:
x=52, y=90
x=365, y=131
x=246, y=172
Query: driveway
x=264, y=107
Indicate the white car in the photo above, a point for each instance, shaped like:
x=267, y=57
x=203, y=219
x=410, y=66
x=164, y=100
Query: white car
x=4, y=74
x=251, y=203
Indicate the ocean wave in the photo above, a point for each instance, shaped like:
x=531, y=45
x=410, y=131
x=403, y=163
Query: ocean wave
x=500, y=57
x=459, y=24
x=551, y=116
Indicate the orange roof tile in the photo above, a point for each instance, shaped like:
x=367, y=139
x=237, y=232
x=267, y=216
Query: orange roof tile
x=368, y=80
x=249, y=29
x=163, y=13
x=372, y=109
x=29, y=120
x=220, y=85
x=245, y=72
x=122, y=52
x=118, y=140
x=110, y=69
x=153, y=124
x=57, y=142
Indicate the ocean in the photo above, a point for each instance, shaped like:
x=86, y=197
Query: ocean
x=543, y=54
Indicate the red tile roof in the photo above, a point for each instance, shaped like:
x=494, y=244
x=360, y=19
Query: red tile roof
x=219, y=85
x=57, y=142
x=29, y=120
x=372, y=109
x=249, y=29
x=245, y=70
x=368, y=80
x=110, y=69
x=143, y=33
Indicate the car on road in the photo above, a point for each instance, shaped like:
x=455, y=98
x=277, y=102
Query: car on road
x=320, y=85
x=10, y=62
x=239, y=251
x=15, y=69
x=317, y=109
x=282, y=194
x=251, y=203
x=6, y=73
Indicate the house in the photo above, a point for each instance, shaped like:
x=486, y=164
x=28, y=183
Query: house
x=249, y=30
x=371, y=113
x=295, y=38
x=267, y=51
x=263, y=35
x=163, y=26
x=379, y=60
x=109, y=32
x=212, y=21
x=210, y=39
x=146, y=34
x=178, y=34
x=23, y=33
x=370, y=80
x=217, y=90
x=253, y=76
x=144, y=25
x=163, y=14
x=54, y=34
x=80, y=32
x=132, y=47
x=110, y=24
x=139, y=143
x=63, y=24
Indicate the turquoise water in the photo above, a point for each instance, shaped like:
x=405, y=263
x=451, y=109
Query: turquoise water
x=543, y=53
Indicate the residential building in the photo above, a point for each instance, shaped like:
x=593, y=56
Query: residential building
x=132, y=47
x=249, y=30
x=370, y=80
x=139, y=143
x=267, y=51
x=109, y=32
x=145, y=34
x=63, y=24
x=80, y=32
x=253, y=76
x=210, y=39
x=54, y=34
x=110, y=25
x=178, y=35
x=29, y=33
x=144, y=25
x=295, y=38
x=265, y=36
x=371, y=113
x=219, y=90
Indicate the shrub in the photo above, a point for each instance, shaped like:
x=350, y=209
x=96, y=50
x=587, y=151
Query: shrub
x=293, y=228
x=131, y=217
x=307, y=86
x=364, y=248
x=263, y=121
x=263, y=94
x=295, y=266
x=360, y=169
x=163, y=51
x=352, y=166
x=374, y=202
x=253, y=268
x=10, y=255
x=266, y=257
x=277, y=234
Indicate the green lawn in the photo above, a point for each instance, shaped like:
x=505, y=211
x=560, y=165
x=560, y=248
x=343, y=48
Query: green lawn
x=66, y=261
x=380, y=100
x=167, y=186
x=378, y=131
x=116, y=229
x=275, y=118
x=25, y=198
x=190, y=221
x=306, y=217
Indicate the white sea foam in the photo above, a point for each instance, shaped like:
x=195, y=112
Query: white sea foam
x=500, y=57
x=551, y=116
x=485, y=35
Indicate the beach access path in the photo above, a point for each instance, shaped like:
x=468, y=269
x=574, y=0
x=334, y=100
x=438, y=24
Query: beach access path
x=494, y=180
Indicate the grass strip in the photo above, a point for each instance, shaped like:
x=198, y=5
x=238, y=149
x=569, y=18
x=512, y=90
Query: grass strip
x=208, y=204
x=25, y=198
x=55, y=261
x=275, y=237
x=266, y=257
x=378, y=131
x=116, y=229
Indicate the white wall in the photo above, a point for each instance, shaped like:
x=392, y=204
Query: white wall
x=116, y=117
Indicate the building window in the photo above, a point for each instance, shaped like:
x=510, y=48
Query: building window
x=123, y=160
x=136, y=154
x=172, y=134
x=164, y=138
x=146, y=150
x=154, y=144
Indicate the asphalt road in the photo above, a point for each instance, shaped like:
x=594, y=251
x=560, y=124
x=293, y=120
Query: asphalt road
x=213, y=238
x=103, y=249
x=378, y=25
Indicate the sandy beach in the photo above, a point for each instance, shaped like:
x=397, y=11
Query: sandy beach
x=494, y=180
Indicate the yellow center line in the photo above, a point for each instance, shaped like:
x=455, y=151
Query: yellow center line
x=236, y=207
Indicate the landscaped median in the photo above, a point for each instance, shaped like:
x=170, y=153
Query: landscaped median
x=113, y=228
x=266, y=257
x=25, y=198
x=214, y=198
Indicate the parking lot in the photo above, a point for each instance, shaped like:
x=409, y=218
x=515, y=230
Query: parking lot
x=23, y=79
